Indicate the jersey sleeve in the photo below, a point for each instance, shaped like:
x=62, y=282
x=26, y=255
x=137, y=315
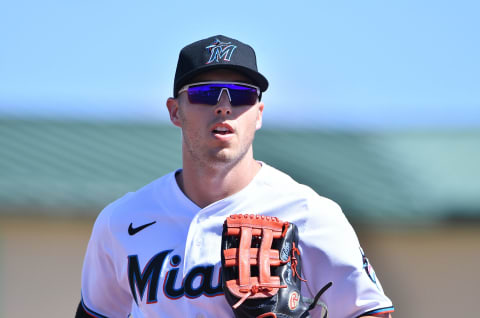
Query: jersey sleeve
x=331, y=252
x=102, y=294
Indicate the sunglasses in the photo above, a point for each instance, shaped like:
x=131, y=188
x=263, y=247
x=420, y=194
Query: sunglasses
x=209, y=93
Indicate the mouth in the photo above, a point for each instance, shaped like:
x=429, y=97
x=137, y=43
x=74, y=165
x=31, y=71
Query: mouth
x=222, y=129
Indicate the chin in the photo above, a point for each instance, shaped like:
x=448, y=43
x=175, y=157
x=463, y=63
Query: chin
x=224, y=156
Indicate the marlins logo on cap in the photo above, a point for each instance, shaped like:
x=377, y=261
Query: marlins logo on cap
x=219, y=50
x=213, y=53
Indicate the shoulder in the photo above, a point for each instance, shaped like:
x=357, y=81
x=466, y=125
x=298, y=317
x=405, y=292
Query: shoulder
x=308, y=203
x=272, y=177
x=132, y=203
x=283, y=183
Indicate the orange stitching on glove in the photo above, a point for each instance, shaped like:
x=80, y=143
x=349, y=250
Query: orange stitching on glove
x=295, y=262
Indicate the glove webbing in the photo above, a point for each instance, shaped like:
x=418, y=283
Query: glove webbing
x=268, y=228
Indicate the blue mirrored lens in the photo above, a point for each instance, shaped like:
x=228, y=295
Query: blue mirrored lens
x=203, y=94
x=209, y=94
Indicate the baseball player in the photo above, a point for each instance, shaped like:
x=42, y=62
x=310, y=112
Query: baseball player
x=156, y=252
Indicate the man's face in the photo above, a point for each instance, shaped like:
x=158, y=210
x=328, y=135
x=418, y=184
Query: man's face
x=219, y=134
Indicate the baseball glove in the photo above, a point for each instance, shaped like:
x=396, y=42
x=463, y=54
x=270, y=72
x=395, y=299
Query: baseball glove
x=261, y=268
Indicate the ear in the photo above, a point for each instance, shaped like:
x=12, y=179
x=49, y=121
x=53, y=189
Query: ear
x=259, y=116
x=172, y=105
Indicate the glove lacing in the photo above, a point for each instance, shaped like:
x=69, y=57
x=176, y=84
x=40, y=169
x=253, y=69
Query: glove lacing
x=252, y=290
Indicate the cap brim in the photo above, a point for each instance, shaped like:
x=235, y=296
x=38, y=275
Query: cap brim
x=257, y=78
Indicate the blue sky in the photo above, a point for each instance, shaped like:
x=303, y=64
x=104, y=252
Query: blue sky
x=342, y=64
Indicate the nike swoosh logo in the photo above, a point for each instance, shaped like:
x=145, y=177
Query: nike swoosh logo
x=133, y=231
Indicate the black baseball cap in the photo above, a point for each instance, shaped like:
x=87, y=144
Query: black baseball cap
x=217, y=52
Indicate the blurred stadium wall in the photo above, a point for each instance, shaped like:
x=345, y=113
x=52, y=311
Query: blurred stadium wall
x=413, y=197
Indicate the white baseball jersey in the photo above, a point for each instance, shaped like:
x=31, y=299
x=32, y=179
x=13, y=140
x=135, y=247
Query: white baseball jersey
x=155, y=253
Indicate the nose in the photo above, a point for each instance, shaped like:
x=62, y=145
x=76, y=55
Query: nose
x=223, y=106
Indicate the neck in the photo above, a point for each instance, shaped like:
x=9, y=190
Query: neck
x=207, y=184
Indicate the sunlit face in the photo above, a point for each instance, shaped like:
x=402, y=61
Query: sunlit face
x=219, y=134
